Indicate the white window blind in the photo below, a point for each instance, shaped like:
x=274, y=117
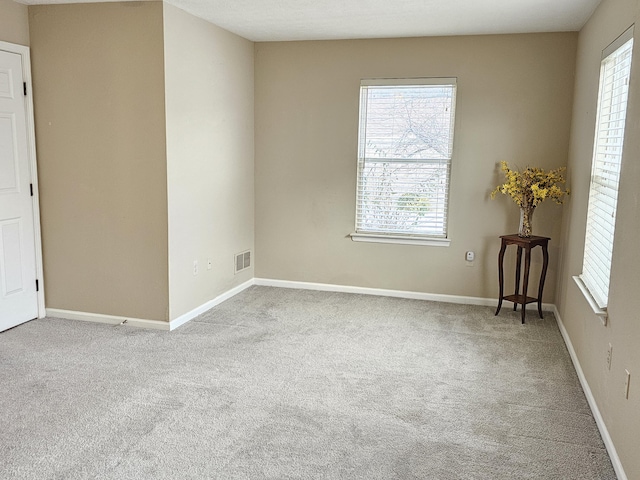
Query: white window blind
x=404, y=156
x=605, y=171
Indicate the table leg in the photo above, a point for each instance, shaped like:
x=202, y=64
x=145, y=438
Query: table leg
x=543, y=275
x=518, y=263
x=525, y=280
x=501, y=275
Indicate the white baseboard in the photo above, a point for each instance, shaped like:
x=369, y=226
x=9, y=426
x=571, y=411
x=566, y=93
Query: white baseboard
x=143, y=323
x=435, y=297
x=110, y=319
x=606, y=438
x=184, y=318
x=326, y=287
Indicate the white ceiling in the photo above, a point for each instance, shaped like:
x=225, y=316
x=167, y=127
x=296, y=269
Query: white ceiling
x=274, y=20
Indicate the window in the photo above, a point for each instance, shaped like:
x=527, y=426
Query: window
x=605, y=171
x=404, y=159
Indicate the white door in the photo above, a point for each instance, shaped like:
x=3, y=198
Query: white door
x=18, y=295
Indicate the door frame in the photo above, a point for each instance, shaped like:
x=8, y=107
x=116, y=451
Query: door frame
x=24, y=52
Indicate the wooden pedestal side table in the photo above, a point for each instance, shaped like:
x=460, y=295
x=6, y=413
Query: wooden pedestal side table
x=527, y=244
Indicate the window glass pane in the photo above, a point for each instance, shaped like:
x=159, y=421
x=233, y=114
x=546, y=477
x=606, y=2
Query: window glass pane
x=403, y=197
x=408, y=122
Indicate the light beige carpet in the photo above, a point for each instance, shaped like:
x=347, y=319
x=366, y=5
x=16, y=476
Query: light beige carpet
x=285, y=384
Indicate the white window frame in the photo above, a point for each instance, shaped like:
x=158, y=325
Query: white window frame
x=613, y=92
x=413, y=238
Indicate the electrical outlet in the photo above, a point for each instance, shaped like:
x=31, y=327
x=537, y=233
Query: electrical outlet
x=195, y=267
x=209, y=264
x=609, y=353
x=627, y=380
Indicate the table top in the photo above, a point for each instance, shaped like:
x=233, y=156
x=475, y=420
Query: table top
x=531, y=241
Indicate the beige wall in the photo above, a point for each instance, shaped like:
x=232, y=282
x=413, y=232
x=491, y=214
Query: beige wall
x=209, y=105
x=514, y=103
x=14, y=22
x=99, y=107
x=589, y=338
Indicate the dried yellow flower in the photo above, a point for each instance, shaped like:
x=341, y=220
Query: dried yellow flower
x=531, y=186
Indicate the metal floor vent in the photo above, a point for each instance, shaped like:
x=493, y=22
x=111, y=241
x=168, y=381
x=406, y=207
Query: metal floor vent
x=243, y=260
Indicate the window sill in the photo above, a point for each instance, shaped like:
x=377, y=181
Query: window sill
x=400, y=239
x=600, y=312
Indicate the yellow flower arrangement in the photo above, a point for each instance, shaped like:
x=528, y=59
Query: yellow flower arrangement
x=531, y=186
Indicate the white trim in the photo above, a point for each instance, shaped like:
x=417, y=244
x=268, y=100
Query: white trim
x=184, y=318
x=268, y=282
x=399, y=239
x=24, y=52
x=600, y=312
x=144, y=323
x=434, y=297
x=606, y=438
x=110, y=319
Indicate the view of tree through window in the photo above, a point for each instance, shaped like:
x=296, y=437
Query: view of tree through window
x=406, y=139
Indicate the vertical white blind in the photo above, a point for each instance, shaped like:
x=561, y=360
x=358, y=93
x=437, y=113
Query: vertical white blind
x=605, y=171
x=404, y=156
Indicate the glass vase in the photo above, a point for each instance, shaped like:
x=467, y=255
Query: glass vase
x=526, y=216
